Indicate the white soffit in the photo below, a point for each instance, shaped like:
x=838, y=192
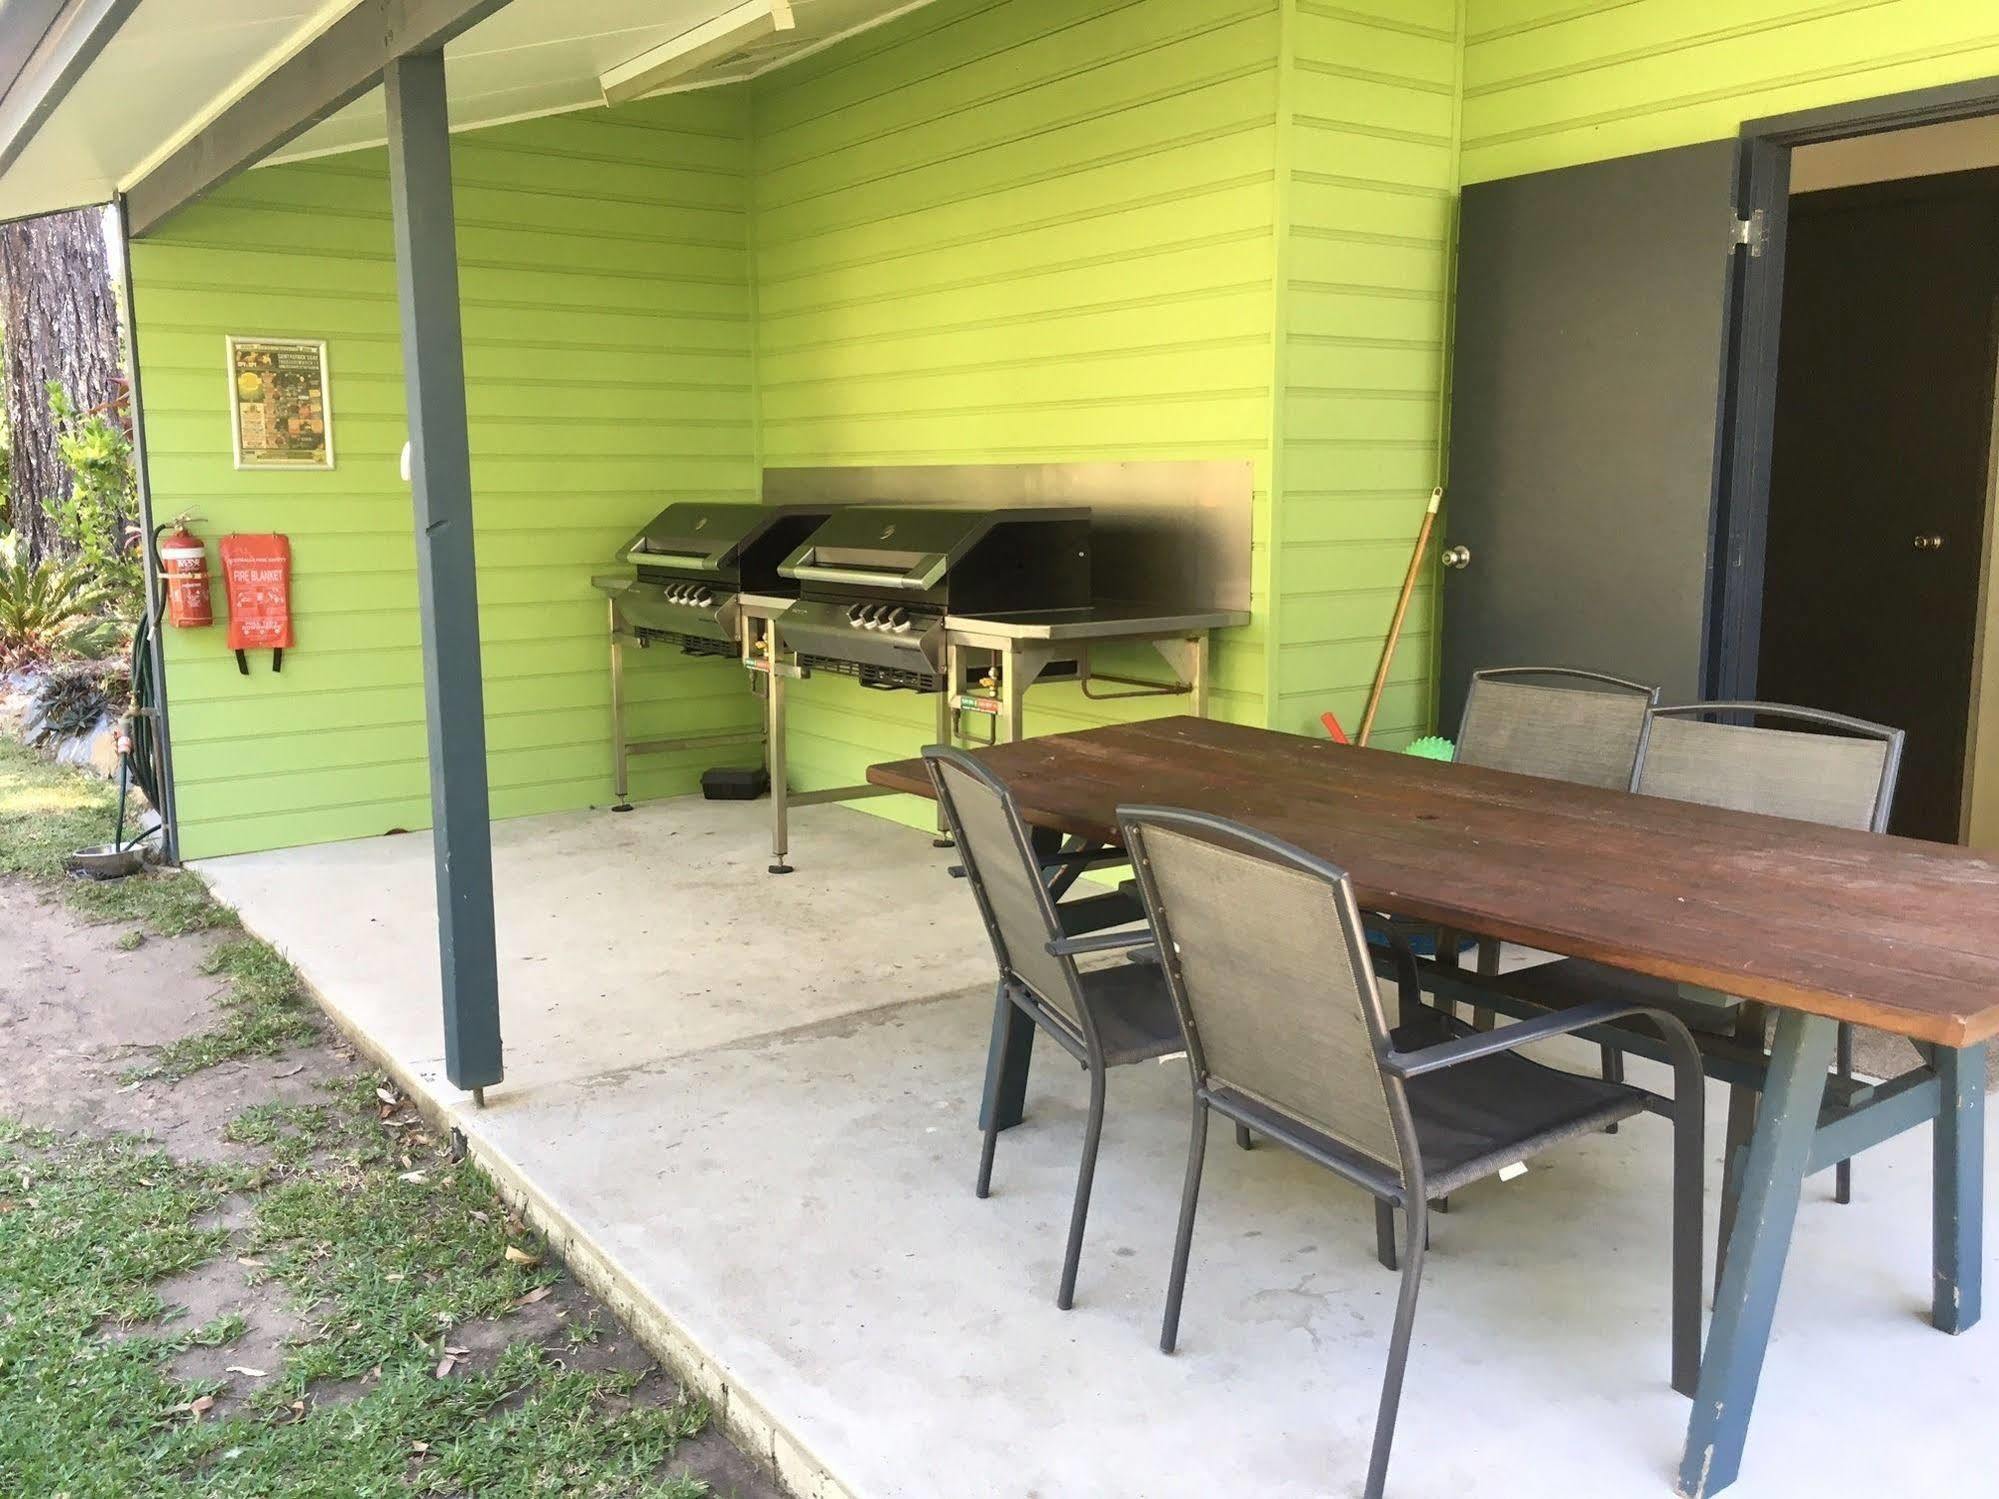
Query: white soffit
x=162, y=69
x=176, y=65
x=541, y=57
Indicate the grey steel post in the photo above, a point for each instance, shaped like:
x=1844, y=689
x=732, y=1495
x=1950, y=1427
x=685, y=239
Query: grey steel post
x=155, y=613
x=447, y=574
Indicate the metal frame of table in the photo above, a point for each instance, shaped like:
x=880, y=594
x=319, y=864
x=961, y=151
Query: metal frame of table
x=1023, y=648
x=1800, y=1130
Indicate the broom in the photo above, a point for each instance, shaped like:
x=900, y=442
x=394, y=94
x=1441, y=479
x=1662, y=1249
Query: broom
x=1401, y=613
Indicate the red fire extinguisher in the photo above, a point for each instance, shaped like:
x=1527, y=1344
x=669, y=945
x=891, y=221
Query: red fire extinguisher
x=184, y=574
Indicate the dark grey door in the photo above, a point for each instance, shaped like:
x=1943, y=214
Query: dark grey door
x=1592, y=310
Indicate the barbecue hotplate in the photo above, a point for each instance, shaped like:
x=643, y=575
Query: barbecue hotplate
x=693, y=559
x=875, y=583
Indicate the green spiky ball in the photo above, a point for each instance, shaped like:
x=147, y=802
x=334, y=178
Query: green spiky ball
x=1431, y=747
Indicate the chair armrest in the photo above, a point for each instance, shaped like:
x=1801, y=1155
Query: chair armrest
x=1070, y=947
x=1472, y=1048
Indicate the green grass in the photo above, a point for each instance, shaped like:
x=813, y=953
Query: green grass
x=265, y=1009
x=384, y=1245
x=48, y=811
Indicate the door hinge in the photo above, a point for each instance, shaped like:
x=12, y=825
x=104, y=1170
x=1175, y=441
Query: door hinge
x=1752, y=231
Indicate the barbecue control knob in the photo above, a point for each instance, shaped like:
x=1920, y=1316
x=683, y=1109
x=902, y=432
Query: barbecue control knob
x=898, y=621
x=704, y=597
x=854, y=613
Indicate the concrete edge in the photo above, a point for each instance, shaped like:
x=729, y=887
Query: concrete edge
x=744, y=1419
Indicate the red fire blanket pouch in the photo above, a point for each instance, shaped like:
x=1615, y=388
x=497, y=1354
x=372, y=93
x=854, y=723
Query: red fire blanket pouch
x=257, y=571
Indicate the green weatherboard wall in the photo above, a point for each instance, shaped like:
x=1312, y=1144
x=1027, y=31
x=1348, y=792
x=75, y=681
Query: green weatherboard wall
x=607, y=329
x=1548, y=84
x=990, y=231
x=1003, y=232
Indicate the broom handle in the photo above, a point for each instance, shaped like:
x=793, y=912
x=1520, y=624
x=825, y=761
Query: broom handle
x=1401, y=612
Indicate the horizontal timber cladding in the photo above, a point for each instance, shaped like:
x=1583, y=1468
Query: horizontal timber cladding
x=1369, y=157
x=994, y=231
x=605, y=277
x=1549, y=83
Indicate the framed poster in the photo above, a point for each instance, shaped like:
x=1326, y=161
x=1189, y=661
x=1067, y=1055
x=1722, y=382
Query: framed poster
x=279, y=415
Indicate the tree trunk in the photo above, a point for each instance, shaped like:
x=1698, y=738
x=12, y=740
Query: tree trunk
x=60, y=323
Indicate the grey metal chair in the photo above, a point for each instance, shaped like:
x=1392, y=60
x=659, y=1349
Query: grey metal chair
x=1103, y=1017
x=1844, y=778
x=1269, y=969
x=1838, y=771
x=1558, y=722
x=1554, y=721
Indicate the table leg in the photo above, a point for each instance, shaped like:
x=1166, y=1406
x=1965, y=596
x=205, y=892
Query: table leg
x=1745, y=1301
x=1959, y=1164
x=1007, y=1060
x=1012, y=1048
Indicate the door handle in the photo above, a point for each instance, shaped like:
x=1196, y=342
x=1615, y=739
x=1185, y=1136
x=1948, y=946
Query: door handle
x=1458, y=557
x=1929, y=541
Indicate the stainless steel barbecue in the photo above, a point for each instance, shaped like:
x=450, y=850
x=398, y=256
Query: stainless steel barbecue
x=689, y=568
x=875, y=583
x=693, y=559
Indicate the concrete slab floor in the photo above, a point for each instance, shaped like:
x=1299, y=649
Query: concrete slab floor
x=753, y=1102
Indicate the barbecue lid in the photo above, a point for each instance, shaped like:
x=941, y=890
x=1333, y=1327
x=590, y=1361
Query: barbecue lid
x=903, y=546
x=705, y=535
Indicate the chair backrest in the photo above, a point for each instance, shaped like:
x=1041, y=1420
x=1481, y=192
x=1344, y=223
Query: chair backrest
x=1844, y=778
x=1005, y=878
x=1555, y=721
x=1268, y=967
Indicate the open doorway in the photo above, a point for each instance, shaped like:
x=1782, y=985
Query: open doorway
x=1881, y=466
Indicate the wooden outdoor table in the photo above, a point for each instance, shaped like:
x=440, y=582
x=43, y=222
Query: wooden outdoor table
x=1819, y=924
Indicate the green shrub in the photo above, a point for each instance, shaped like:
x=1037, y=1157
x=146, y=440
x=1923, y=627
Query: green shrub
x=51, y=609
x=96, y=519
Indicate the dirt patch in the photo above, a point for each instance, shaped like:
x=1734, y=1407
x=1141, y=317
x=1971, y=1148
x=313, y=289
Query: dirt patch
x=83, y=1008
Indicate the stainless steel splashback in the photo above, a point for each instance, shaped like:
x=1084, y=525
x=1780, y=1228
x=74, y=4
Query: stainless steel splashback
x=1173, y=534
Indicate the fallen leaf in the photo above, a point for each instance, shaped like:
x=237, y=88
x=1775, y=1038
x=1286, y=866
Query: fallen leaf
x=416, y=1177
x=199, y=1407
x=481, y=1217
x=419, y=1448
x=290, y=1071
x=245, y=1369
x=520, y=1256
x=539, y=1293
x=445, y=1366
x=394, y=1278
x=248, y=1263
x=387, y=1096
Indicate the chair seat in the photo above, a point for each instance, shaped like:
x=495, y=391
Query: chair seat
x=1133, y=1011
x=1569, y=982
x=1471, y=1119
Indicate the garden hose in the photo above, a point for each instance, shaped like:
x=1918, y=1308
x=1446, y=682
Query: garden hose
x=139, y=764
